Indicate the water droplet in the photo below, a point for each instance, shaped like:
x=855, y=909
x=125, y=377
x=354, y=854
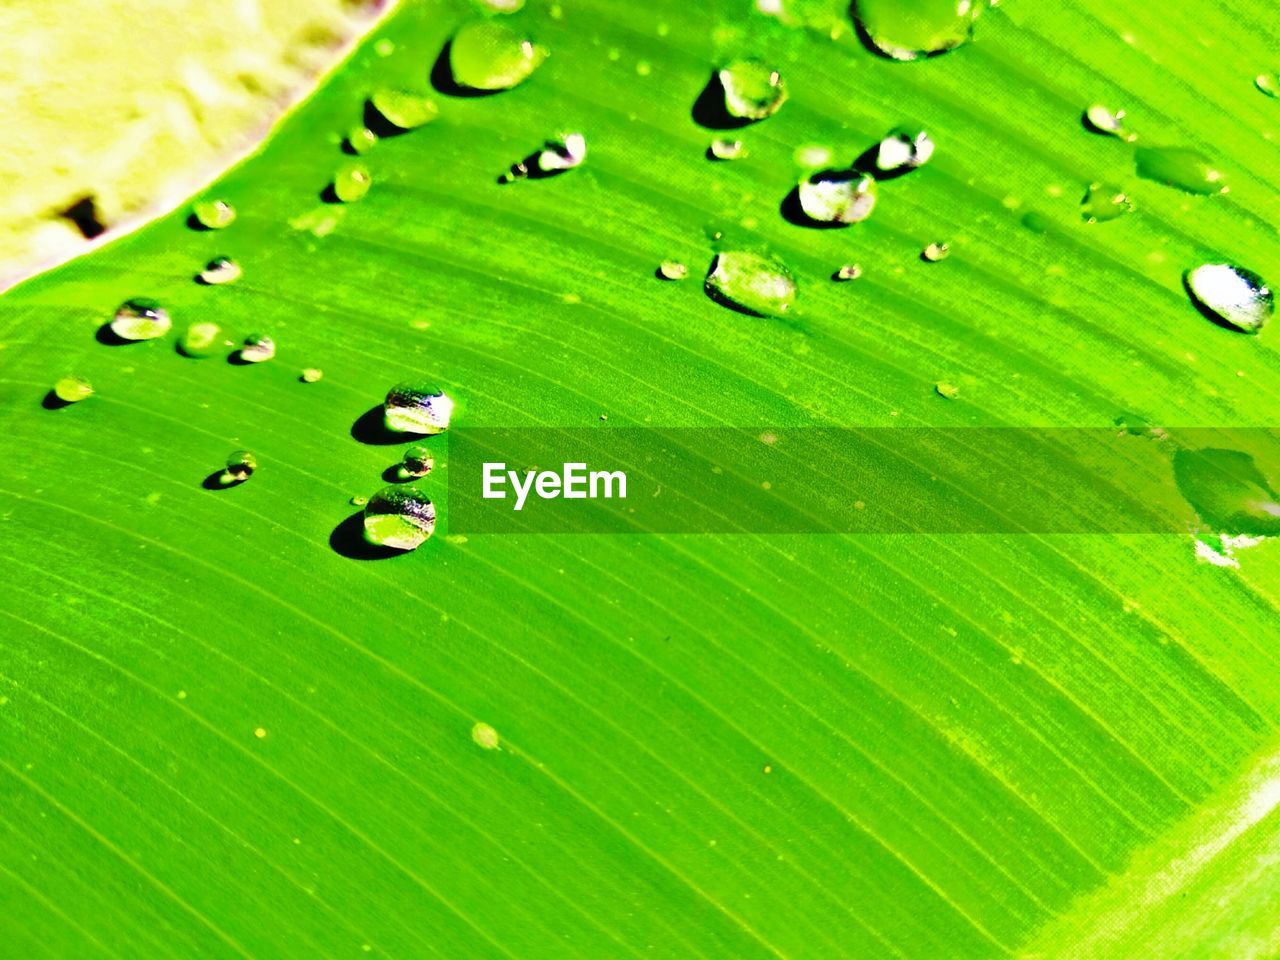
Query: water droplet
x=1228, y=491
x=1104, y=120
x=724, y=149
x=352, y=181
x=485, y=55
x=485, y=736
x=140, y=319
x=903, y=150
x=563, y=153
x=1180, y=167
x=72, y=389
x=358, y=500
x=848, y=271
x=403, y=109
x=399, y=517
x=672, y=270
x=417, y=407
x=935, y=252
x=1268, y=83
x=361, y=140
x=418, y=461
x=1232, y=296
x=240, y=467
x=753, y=90
x=751, y=282
x=948, y=391
x=837, y=196
x=202, y=339
x=220, y=270
x=910, y=29
x=213, y=214
x=311, y=375
x=1103, y=202
x=257, y=348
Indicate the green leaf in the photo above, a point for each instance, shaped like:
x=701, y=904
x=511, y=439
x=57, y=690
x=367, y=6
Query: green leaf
x=226, y=730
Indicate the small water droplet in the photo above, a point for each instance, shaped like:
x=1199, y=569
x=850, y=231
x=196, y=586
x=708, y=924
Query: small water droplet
x=140, y=319
x=1180, y=167
x=848, y=271
x=213, y=214
x=936, y=252
x=1103, y=202
x=910, y=29
x=257, y=348
x=1106, y=121
x=72, y=389
x=672, y=270
x=1228, y=491
x=753, y=90
x=399, y=517
x=1232, y=296
x=202, y=339
x=240, y=467
x=418, y=461
x=485, y=736
x=485, y=55
x=751, y=282
x=904, y=150
x=220, y=270
x=361, y=139
x=352, y=181
x=311, y=375
x=562, y=153
x=723, y=148
x=403, y=109
x=948, y=391
x=417, y=407
x=358, y=500
x=1268, y=83
x=837, y=196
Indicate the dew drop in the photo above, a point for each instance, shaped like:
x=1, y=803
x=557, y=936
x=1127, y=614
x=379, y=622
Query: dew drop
x=257, y=348
x=936, y=252
x=311, y=375
x=403, y=109
x=140, y=319
x=948, y=391
x=1268, y=83
x=358, y=500
x=202, y=339
x=848, y=271
x=751, y=282
x=1106, y=121
x=360, y=140
x=1232, y=296
x=72, y=389
x=837, y=196
x=904, y=150
x=418, y=461
x=220, y=270
x=485, y=55
x=723, y=148
x=213, y=214
x=753, y=90
x=240, y=467
x=1103, y=202
x=399, y=517
x=485, y=736
x=417, y=407
x=1228, y=491
x=672, y=270
x=1180, y=167
x=910, y=29
x=562, y=153
x=352, y=181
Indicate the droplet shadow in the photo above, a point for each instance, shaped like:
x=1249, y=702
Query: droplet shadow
x=709, y=110
x=396, y=474
x=347, y=540
x=51, y=401
x=105, y=335
x=218, y=480
x=442, y=78
x=371, y=427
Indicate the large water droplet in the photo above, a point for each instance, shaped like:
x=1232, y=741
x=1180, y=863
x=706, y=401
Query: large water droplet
x=140, y=319
x=220, y=270
x=1231, y=296
x=1103, y=202
x=1228, y=491
x=72, y=389
x=751, y=282
x=403, y=109
x=240, y=467
x=399, y=517
x=490, y=56
x=202, y=339
x=352, y=181
x=1180, y=167
x=909, y=29
x=837, y=196
x=257, y=348
x=213, y=214
x=753, y=90
x=903, y=150
x=417, y=407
